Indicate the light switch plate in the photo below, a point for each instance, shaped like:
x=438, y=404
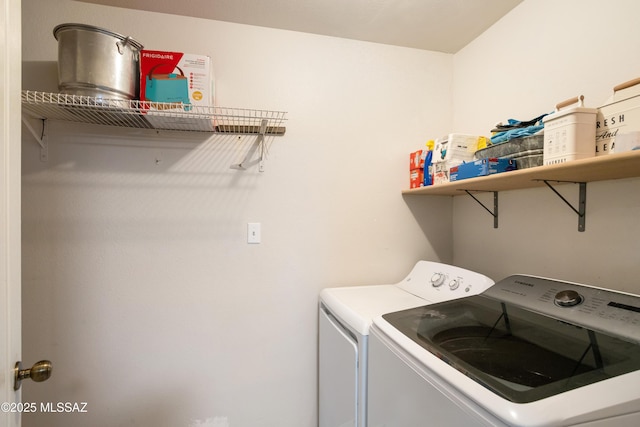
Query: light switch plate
x=253, y=232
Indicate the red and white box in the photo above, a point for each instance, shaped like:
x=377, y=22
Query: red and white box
x=441, y=171
x=167, y=67
x=416, y=169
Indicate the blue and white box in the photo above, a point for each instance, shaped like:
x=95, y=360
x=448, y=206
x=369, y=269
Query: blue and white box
x=481, y=167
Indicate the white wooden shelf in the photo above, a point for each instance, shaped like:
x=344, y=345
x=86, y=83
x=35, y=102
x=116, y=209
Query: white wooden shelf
x=601, y=168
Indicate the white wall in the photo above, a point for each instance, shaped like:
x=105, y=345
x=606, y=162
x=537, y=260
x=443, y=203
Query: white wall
x=541, y=53
x=138, y=282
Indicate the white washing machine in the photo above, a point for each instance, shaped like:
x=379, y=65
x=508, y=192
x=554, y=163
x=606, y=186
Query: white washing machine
x=345, y=316
x=527, y=352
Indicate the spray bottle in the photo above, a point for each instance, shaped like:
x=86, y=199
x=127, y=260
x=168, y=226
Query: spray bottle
x=428, y=175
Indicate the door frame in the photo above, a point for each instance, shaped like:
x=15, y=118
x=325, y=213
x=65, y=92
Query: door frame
x=10, y=206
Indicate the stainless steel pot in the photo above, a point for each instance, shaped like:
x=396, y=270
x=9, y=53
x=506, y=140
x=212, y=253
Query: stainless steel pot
x=96, y=62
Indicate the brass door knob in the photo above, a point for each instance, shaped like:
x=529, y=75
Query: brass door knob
x=40, y=371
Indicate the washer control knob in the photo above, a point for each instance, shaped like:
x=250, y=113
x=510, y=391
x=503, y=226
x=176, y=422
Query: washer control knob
x=567, y=298
x=437, y=279
x=454, y=284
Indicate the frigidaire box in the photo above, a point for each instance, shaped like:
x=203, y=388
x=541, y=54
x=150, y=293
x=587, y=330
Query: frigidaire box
x=481, y=167
x=176, y=77
x=569, y=134
x=618, y=120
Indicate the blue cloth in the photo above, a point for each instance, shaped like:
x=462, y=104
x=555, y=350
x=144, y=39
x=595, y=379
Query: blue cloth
x=515, y=133
x=517, y=129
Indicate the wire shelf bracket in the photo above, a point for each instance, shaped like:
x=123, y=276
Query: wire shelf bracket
x=494, y=212
x=259, y=143
x=581, y=211
x=41, y=137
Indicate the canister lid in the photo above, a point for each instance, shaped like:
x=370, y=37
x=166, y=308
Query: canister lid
x=623, y=94
x=579, y=109
x=84, y=27
x=568, y=111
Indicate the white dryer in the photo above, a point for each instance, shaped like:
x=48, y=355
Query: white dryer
x=528, y=352
x=346, y=313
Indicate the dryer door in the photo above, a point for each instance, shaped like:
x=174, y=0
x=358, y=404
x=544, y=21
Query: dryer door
x=338, y=377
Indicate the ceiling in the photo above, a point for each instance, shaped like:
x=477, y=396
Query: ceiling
x=437, y=25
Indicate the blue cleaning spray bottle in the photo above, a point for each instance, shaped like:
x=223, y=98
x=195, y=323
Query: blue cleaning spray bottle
x=428, y=175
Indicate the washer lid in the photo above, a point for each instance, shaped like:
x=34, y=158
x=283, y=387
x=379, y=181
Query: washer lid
x=525, y=352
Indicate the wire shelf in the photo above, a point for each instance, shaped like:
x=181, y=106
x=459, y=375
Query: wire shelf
x=151, y=115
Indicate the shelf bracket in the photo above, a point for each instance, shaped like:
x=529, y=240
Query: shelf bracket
x=494, y=212
x=41, y=137
x=259, y=143
x=582, y=201
x=263, y=131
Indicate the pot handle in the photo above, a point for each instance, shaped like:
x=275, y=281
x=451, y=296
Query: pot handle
x=160, y=65
x=121, y=45
x=626, y=84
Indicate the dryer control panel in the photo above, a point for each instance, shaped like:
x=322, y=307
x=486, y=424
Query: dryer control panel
x=437, y=282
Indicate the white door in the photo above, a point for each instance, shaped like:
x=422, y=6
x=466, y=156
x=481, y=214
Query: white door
x=10, y=150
